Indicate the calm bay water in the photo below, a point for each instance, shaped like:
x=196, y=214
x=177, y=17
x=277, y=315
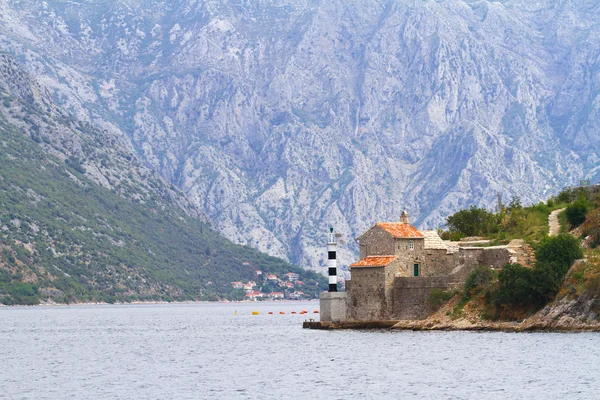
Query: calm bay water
x=204, y=351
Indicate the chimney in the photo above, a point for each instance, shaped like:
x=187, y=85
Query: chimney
x=404, y=218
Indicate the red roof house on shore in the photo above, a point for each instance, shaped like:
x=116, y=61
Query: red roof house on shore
x=292, y=276
x=237, y=285
x=253, y=295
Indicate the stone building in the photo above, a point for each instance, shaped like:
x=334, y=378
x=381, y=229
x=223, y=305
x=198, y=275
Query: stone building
x=399, y=265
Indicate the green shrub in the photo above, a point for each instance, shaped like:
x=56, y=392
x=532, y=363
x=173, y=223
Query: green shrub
x=518, y=285
x=577, y=211
x=514, y=285
x=451, y=235
x=480, y=278
x=541, y=207
x=561, y=250
x=20, y=293
x=437, y=297
x=473, y=222
x=554, y=257
x=546, y=279
x=564, y=196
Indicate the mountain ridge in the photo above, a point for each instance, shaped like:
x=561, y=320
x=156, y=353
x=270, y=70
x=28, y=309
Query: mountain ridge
x=281, y=118
x=81, y=220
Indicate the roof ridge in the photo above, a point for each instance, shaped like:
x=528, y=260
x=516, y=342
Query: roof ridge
x=401, y=230
x=374, y=261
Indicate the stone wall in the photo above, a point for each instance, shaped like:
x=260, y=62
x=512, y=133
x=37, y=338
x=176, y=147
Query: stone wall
x=410, y=295
x=407, y=258
x=496, y=256
x=376, y=242
x=438, y=262
x=524, y=255
x=333, y=306
x=393, y=292
x=367, y=294
x=403, y=245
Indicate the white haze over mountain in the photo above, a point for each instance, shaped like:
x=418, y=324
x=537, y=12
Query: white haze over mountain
x=281, y=118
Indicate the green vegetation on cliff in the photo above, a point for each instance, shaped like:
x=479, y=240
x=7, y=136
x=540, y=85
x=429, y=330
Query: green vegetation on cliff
x=512, y=221
x=516, y=292
x=66, y=239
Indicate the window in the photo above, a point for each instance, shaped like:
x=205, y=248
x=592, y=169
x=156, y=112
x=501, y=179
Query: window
x=416, y=270
x=411, y=244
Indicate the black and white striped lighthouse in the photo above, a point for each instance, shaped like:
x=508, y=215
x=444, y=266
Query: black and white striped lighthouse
x=332, y=261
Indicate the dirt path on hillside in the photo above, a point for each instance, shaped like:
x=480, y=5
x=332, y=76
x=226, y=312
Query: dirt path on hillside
x=553, y=222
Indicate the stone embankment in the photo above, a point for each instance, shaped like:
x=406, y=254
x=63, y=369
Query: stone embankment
x=569, y=314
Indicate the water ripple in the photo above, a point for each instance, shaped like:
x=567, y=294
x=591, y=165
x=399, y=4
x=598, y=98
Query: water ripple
x=203, y=351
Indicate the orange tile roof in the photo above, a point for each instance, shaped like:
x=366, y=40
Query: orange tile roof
x=374, y=261
x=400, y=230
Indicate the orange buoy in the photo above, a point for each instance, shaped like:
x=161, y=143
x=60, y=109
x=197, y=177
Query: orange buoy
x=293, y=312
x=304, y=312
x=270, y=312
x=316, y=311
x=281, y=312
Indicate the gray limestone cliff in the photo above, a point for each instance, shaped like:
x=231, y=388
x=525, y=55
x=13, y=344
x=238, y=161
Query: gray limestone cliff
x=280, y=118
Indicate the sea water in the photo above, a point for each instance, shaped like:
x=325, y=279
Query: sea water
x=222, y=351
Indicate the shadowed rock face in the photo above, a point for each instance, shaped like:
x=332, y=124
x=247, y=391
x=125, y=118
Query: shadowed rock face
x=280, y=118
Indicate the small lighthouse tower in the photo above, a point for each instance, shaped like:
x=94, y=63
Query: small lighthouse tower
x=333, y=304
x=332, y=261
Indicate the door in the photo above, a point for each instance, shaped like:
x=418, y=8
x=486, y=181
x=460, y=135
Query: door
x=416, y=269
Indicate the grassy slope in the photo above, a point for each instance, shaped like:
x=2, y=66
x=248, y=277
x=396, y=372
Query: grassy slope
x=581, y=282
x=64, y=238
x=530, y=223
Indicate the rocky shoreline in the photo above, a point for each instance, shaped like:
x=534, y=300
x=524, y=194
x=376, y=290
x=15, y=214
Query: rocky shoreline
x=565, y=315
x=579, y=314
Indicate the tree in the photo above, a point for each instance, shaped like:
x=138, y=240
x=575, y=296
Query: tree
x=554, y=257
x=514, y=285
x=546, y=280
x=577, y=211
x=559, y=250
x=472, y=222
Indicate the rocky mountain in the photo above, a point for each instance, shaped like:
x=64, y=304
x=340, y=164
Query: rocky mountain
x=82, y=220
x=279, y=118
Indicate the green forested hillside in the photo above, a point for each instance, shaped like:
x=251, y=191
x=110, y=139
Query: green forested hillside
x=67, y=239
